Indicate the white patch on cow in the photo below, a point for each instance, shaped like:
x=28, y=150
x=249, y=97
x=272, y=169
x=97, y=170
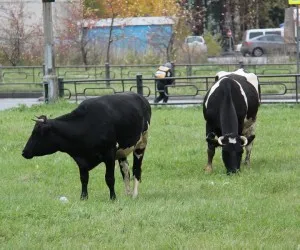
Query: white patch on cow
x=249, y=127
x=125, y=170
x=243, y=93
x=138, y=155
x=217, y=84
x=117, y=145
x=232, y=140
x=124, y=152
x=141, y=143
x=135, y=189
x=213, y=88
x=252, y=78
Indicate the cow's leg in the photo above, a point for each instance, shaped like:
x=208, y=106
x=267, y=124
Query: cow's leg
x=84, y=165
x=248, y=154
x=84, y=178
x=110, y=174
x=138, y=155
x=212, y=143
x=210, y=156
x=137, y=169
x=124, y=168
x=249, y=130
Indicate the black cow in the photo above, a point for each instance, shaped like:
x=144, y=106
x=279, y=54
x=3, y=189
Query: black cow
x=230, y=108
x=102, y=129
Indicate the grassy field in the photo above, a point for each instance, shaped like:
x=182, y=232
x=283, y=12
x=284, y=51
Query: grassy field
x=179, y=207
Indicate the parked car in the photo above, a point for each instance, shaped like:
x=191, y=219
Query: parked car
x=252, y=33
x=196, y=43
x=265, y=44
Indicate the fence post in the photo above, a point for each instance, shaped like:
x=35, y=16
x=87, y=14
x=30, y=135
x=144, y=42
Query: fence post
x=1, y=79
x=173, y=71
x=139, y=84
x=60, y=87
x=189, y=70
x=46, y=91
x=241, y=65
x=296, y=78
x=107, y=74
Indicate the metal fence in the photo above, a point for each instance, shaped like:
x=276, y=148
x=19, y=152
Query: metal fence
x=34, y=74
x=186, y=90
x=192, y=81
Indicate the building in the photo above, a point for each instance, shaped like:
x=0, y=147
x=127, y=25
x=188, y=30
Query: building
x=134, y=33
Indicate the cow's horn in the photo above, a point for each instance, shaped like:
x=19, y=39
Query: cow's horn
x=38, y=120
x=245, y=140
x=220, y=140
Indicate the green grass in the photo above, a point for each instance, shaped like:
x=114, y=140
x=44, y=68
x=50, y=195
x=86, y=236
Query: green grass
x=179, y=206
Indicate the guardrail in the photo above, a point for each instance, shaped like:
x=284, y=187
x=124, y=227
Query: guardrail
x=34, y=74
x=85, y=81
x=186, y=90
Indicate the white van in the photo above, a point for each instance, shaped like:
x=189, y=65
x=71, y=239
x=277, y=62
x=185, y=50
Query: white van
x=249, y=34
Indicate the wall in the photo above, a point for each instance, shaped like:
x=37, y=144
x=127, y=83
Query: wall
x=136, y=33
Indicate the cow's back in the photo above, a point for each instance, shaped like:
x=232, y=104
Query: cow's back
x=251, y=93
x=213, y=100
x=123, y=116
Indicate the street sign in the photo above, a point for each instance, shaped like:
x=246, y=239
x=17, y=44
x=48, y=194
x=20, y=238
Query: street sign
x=294, y=1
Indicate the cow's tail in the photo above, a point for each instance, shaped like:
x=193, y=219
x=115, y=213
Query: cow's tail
x=228, y=116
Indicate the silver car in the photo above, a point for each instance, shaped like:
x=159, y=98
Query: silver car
x=195, y=43
x=265, y=44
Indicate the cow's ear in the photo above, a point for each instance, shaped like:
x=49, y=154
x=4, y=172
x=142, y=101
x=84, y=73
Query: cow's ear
x=250, y=139
x=45, y=128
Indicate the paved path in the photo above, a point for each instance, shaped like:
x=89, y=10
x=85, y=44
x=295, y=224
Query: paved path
x=6, y=103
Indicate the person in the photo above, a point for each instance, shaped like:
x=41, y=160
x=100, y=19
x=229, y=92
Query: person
x=163, y=72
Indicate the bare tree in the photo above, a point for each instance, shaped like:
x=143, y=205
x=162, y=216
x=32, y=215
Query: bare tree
x=113, y=15
x=72, y=34
x=17, y=38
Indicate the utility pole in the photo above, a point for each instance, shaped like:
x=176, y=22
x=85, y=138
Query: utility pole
x=50, y=79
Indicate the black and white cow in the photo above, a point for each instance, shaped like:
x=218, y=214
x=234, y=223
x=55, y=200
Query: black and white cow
x=102, y=129
x=230, y=108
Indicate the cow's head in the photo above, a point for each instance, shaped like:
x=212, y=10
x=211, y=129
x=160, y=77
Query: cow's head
x=41, y=140
x=232, y=149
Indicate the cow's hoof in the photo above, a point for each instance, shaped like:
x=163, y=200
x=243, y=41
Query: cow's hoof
x=208, y=169
x=247, y=163
x=128, y=193
x=84, y=197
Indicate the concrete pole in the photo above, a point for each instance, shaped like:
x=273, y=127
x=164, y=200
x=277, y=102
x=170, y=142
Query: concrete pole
x=297, y=44
x=50, y=78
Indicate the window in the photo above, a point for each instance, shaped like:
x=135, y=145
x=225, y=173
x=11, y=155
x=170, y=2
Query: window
x=270, y=38
x=273, y=32
x=263, y=38
x=278, y=38
x=255, y=34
